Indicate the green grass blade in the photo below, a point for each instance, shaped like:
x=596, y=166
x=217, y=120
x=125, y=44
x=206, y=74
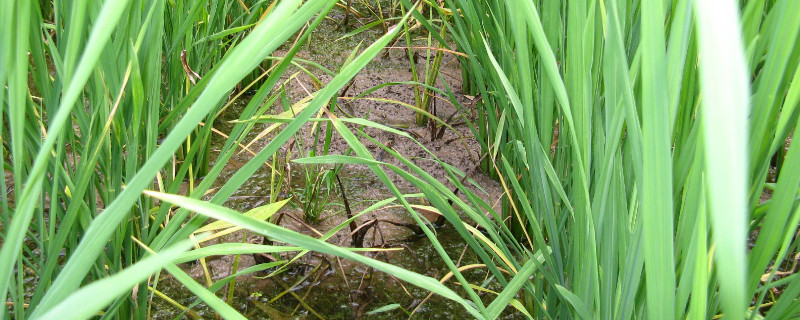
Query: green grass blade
x=657, y=208
x=725, y=109
x=231, y=249
x=90, y=299
x=576, y=302
x=510, y=291
x=224, y=310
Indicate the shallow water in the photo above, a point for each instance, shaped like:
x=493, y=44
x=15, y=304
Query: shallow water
x=324, y=288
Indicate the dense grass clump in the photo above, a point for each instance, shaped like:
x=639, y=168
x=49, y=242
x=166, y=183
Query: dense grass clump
x=635, y=153
x=97, y=107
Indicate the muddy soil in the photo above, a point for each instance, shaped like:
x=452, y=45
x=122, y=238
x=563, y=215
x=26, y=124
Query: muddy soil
x=456, y=147
x=319, y=285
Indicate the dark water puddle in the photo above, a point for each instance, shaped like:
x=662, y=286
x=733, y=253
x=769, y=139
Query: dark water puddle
x=334, y=289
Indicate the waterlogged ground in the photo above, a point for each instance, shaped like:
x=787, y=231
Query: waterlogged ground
x=321, y=286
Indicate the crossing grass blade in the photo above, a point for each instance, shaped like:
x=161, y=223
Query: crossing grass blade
x=92, y=298
x=304, y=241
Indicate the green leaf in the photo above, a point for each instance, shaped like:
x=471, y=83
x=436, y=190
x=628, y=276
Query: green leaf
x=724, y=80
x=386, y=308
x=92, y=298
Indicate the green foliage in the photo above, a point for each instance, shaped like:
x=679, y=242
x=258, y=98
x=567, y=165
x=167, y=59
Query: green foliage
x=93, y=121
x=633, y=140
